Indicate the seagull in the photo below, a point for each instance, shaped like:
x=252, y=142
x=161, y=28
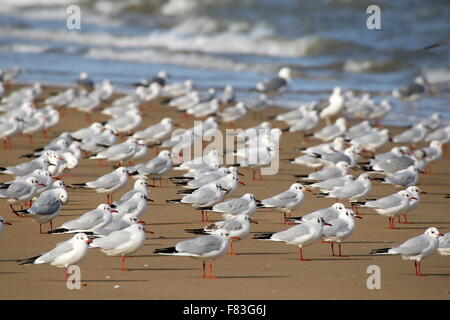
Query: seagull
x=336, y=171
x=140, y=185
x=231, y=114
x=341, y=228
x=433, y=122
x=108, y=183
x=121, y=242
x=204, y=109
x=238, y=228
x=350, y=156
x=205, y=196
x=119, y=152
x=413, y=91
x=352, y=191
x=85, y=133
x=88, y=222
x=65, y=253
x=228, y=95
x=327, y=214
x=414, y=135
x=329, y=184
x=20, y=191
x=234, y=207
x=136, y=206
x=156, y=166
x=10, y=128
x=2, y=223
x=201, y=179
x=129, y=121
x=277, y=84
x=85, y=82
x=286, y=201
x=207, y=248
x=403, y=178
x=124, y=222
x=415, y=249
x=414, y=200
x=390, y=206
x=335, y=105
x=330, y=132
x=157, y=132
x=444, y=245
x=302, y=235
x=442, y=135
x=308, y=121
x=98, y=143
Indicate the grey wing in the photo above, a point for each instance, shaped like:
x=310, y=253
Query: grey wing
x=107, y=181
x=348, y=190
x=86, y=221
x=62, y=248
x=273, y=84
x=230, y=225
x=151, y=131
x=17, y=189
x=232, y=206
x=153, y=166
x=386, y=202
x=395, y=164
x=412, y=246
x=200, y=196
x=113, y=240
x=402, y=179
x=46, y=204
x=291, y=233
x=200, y=245
x=335, y=157
x=280, y=199
x=337, y=225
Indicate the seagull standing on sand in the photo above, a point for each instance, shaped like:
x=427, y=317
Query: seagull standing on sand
x=109, y=183
x=65, y=253
x=415, y=249
x=206, y=248
x=336, y=103
x=277, y=84
x=302, y=235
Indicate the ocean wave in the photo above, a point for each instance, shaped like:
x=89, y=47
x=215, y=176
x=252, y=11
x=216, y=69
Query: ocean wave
x=369, y=66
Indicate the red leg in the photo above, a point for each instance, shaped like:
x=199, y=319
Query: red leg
x=211, y=272
x=406, y=219
x=332, y=248
x=301, y=255
x=340, y=253
x=30, y=138
x=204, y=270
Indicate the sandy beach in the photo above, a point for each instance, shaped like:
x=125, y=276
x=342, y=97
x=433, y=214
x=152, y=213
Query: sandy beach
x=262, y=270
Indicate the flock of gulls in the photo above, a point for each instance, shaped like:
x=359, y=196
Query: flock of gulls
x=117, y=227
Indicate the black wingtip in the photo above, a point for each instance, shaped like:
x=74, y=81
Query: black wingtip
x=59, y=230
x=173, y=201
x=263, y=236
x=165, y=250
x=195, y=231
x=379, y=251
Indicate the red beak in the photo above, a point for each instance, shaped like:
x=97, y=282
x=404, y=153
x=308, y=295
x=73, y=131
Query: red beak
x=114, y=211
x=423, y=192
x=141, y=221
x=241, y=174
x=240, y=182
x=151, y=200
x=42, y=185
x=440, y=235
x=359, y=217
x=327, y=224
x=307, y=190
x=7, y=223
x=149, y=231
x=89, y=241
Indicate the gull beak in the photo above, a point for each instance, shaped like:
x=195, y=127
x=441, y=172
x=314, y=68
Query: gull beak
x=240, y=182
x=241, y=174
x=56, y=178
x=257, y=201
x=358, y=217
x=7, y=223
x=440, y=234
x=141, y=221
x=149, y=231
x=114, y=211
x=253, y=221
x=413, y=198
x=42, y=185
x=307, y=190
x=327, y=224
x=62, y=159
x=423, y=192
x=150, y=200
x=89, y=241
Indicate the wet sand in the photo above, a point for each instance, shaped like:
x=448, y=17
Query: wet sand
x=262, y=270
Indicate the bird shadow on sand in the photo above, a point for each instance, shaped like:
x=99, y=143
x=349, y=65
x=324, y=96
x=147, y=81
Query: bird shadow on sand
x=260, y=253
x=252, y=277
x=162, y=269
x=10, y=272
x=98, y=280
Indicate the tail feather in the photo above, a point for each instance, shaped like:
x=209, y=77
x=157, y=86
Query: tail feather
x=263, y=236
x=173, y=201
x=59, y=230
x=187, y=191
x=28, y=260
x=196, y=231
x=300, y=175
x=380, y=251
x=166, y=250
